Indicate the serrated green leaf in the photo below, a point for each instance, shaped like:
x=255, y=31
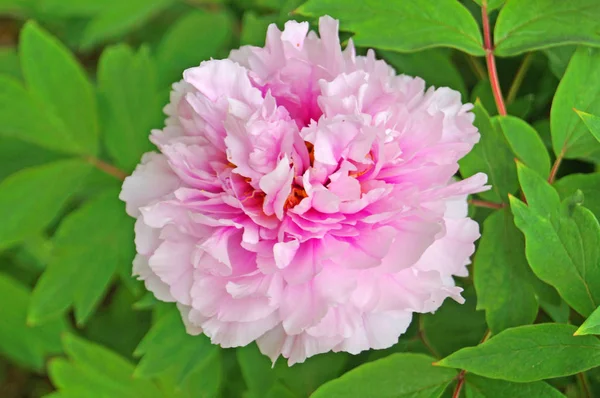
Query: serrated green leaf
x=562, y=22
x=403, y=26
x=592, y=122
x=54, y=76
x=589, y=184
x=24, y=211
x=94, y=371
x=196, y=37
x=578, y=89
x=502, y=276
x=563, y=249
x=591, y=324
x=130, y=102
x=26, y=345
x=121, y=17
x=399, y=375
x=525, y=143
x=482, y=387
x=529, y=353
x=168, y=348
x=493, y=156
x=88, y=246
x=454, y=325
x=434, y=66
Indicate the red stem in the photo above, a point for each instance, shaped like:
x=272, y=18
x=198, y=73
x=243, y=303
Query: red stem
x=491, y=61
x=485, y=203
x=459, y=384
x=107, y=168
x=555, y=167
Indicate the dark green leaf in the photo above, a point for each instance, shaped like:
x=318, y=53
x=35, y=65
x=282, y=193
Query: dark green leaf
x=9, y=63
x=434, y=66
x=88, y=246
x=131, y=104
x=558, y=59
x=591, y=324
x=24, y=210
x=119, y=18
x=592, y=122
x=579, y=89
x=399, y=375
x=16, y=154
x=493, y=156
x=454, y=325
x=54, y=76
x=26, y=345
x=562, y=245
x=520, y=23
x=529, y=353
x=589, y=184
x=502, y=276
x=196, y=37
x=74, y=8
x=491, y=4
x=254, y=28
x=403, y=26
x=482, y=387
x=525, y=143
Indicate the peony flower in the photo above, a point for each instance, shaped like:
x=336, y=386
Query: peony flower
x=303, y=198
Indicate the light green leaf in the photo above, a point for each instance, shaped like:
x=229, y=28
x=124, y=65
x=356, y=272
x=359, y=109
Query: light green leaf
x=562, y=22
x=93, y=368
x=130, y=103
x=396, y=376
x=502, y=276
x=121, y=17
x=88, y=246
x=434, y=66
x=491, y=4
x=579, y=89
x=196, y=37
x=55, y=78
x=26, y=345
x=525, y=143
x=9, y=63
x=74, y=8
x=591, y=324
x=493, y=156
x=588, y=184
x=17, y=7
x=403, y=26
x=529, y=353
x=31, y=198
x=592, y=122
x=454, y=325
x=168, y=348
x=562, y=243
x=482, y=387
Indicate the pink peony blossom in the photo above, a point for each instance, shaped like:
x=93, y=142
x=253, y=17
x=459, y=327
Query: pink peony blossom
x=303, y=198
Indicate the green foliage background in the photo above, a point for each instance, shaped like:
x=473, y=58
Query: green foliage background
x=82, y=82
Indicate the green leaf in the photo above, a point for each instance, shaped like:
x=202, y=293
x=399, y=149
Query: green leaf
x=482, y=387
x=254, y=28
x=130, y=101
x=54, y=76
x=579, y=89
x=74, y=8
x=520, y=23
x=589, y=184
x=491, y=4
x=403, y=26
x=399, y=375
x=93, y=368
x=434, y=66
x=16, y=154
x=9, y=63
x=502, y=276
x=168, y=348
x=454, y=325
x=591, y=324
x=31, y=198
x=562, y=243
x=196, y=37
x=558, y=59
x=592, y=122
x=493, y=156
x=79, y=272
x=121, y=17
x=26, y=345
x=525, y=142
x=529, y=353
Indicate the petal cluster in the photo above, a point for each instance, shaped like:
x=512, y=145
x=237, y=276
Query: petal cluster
x=303, y=197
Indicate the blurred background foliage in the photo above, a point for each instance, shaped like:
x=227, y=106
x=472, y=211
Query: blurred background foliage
x=73, y=322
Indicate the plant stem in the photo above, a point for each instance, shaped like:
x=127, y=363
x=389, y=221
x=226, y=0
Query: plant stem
x=516, y=84
x=107, y=168
x=485, y=203
x=476, y=66
x=585, y=388
x=424, y=340
x=459, y=384
x=491, y=61
x=555, y=167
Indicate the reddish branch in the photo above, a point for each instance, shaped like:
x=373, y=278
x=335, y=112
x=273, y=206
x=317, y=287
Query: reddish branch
x=107, y=168
x=491, y=61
